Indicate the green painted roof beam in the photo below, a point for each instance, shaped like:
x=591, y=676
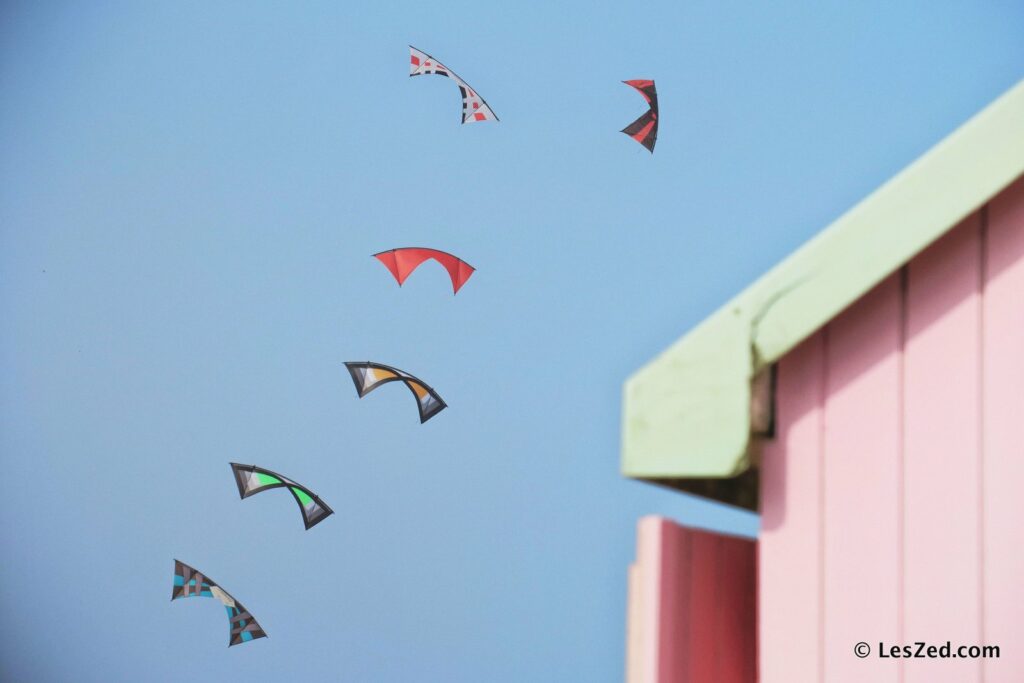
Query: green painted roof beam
x=686, y=416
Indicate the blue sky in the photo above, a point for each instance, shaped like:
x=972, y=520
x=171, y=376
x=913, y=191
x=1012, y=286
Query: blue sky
x=190, y=193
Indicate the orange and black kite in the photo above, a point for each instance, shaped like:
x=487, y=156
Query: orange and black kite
x=401, y=263
x=368, y=376
x=645, y=129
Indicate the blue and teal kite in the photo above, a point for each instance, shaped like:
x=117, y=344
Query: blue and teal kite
x=189, y=583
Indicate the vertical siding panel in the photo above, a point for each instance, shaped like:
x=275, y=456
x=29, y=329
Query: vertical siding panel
x=862, y=451
x=942, y=432
x=789, y=581
x=675, y=621
x=1003, y=340
x=735, y=613
x=634, y=618
x=645, y=574
x=705, y=590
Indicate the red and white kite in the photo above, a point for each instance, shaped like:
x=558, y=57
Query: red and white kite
x=474, y=107
x=401, y=262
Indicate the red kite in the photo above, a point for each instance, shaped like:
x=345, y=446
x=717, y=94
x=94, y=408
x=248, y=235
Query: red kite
x=401, y=262
x=645, y=129
x=474, y=107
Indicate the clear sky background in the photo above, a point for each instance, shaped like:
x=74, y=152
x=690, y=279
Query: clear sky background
x=190, y=193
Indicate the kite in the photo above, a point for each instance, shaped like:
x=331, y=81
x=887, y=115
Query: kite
x=401, y=263
x=368, y=376
x=645, y=129
x=188, y=583
x=252, y=480
x=474, y=107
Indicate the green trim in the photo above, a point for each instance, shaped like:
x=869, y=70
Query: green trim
x=266, y=479
x=687, y=413
x=302, y=496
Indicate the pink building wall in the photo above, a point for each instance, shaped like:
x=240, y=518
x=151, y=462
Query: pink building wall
x=893, y=493
x=692, y=608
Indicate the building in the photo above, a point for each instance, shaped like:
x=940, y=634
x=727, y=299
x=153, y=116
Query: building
x=866, y=395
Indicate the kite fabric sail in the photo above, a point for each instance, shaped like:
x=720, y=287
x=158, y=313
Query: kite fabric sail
x=401, y=263
x=368, y=376
x=474, y=107
x=189, y=583
x=645, y=129
x=252, y=480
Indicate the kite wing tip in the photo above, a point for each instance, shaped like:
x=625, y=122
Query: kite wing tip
x=235, y=467
x=310, y=525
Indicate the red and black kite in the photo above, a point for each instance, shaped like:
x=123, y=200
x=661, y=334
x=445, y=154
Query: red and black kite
x=368, y=376
x=401, y=263
x=645, y=129
x=474, y=107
